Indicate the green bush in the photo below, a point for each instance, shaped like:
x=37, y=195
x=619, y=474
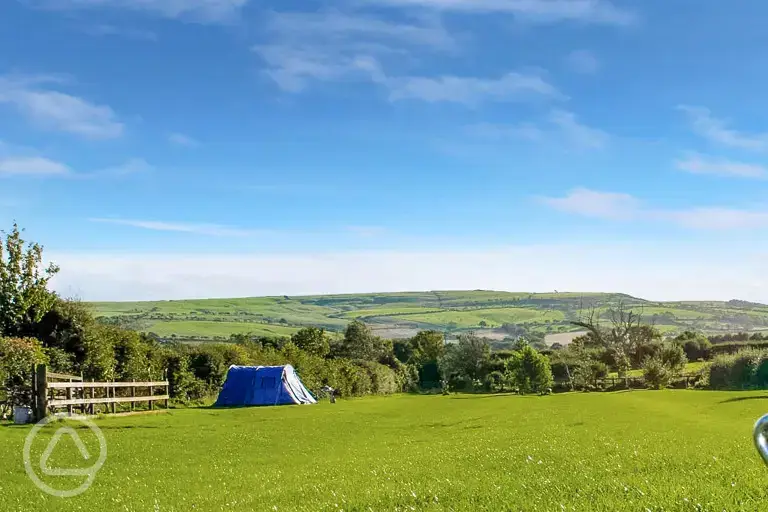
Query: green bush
x=656, y=373
x=747, y=369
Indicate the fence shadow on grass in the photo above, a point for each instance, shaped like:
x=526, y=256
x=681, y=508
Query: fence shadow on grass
x=743, y=398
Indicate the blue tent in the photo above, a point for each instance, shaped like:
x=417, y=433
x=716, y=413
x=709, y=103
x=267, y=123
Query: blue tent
x=263, y=385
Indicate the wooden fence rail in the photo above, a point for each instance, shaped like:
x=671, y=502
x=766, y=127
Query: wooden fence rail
x=76, y=393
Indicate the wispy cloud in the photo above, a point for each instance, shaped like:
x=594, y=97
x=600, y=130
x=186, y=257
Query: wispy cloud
x=179, y=139
x=717, y=130
x=595, y=204
x=577, y=134
x=334, y=46
x=23, y=165
x=583, y=61
x=625, y=207
x=201, y=11
x=136, y=34
x=128, y=168
x=32, y=166
x=471, y=90
x=696, y=163
x=544, y=11
x=560, y=127
x=183, y=227
x=54, y=110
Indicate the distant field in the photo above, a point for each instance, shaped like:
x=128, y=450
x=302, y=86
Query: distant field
x=619, y=452
x=387, y=311
x=212, y=329
x=493, y=317
x=400, y=314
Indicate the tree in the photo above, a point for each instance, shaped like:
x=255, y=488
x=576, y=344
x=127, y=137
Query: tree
x=312, y=340
x=466, y=359
x=426, y=346
x=529, y=370
x=24, y=296
x=359, y=342
x=695, y=345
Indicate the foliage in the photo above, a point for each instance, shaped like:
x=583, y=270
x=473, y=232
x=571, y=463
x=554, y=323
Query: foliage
x=696, y=345
x=426, y=347
x=24, y=297
x=312, y=340
x=359, y=342
x=529, y=371
x=656, y=373
x=747, y=369
x=466, y=360
x=17, y=358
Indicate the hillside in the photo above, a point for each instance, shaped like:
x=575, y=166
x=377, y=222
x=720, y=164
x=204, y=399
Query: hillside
x=398, y=315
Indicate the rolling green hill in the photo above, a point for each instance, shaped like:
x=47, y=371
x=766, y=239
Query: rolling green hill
x=397, y=315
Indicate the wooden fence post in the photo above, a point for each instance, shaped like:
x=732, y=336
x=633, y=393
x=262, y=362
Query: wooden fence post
x=133, y=395
x=151, y=402
x=93, y=395
x=167, y=392
x=70, y=408
x=114, y=395
x=41, y=388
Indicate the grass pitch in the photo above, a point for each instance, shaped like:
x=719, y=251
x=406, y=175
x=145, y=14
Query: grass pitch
x=630, y=451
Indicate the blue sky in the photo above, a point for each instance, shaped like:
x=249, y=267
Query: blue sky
x=193, y=148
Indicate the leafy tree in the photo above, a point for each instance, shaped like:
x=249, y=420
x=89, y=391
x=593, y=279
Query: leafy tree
x=312, y=340
x=359, y=342
x=695, y=345
x=24, y=296
x=529, y=370
x=673, y=357
x=656, y=373
x=426, y=347
x=468, y=358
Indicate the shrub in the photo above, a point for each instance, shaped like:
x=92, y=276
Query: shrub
x=529, y=371
x=657, y=374
x=747, y=369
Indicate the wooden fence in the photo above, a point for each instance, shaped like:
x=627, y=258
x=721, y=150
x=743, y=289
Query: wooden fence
x=72, y=393
x=685, y=380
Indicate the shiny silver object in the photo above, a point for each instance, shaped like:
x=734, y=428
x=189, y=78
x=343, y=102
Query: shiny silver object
x=760, y=435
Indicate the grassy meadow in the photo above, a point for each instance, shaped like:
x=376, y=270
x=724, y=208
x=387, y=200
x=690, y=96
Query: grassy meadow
x=403, y=314
x=626, y=451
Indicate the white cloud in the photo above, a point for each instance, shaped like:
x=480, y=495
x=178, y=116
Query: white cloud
x=180, y=139
x=578, y=134
x=470, y=90
x=701, y=164
x=625, y=207
x=652, y=271
x=124, y=32
x=334, y=46
x=334, y=25
x=561, y=128
x=32, y=166
x=56, y=110
x=583, y=61
x=292, y=67
x=202, y=11
x=716, y=130
x=132, y=166
x=588, y=11
x=596, y=204
x=183, y=227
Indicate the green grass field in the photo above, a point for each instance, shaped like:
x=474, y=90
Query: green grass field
x=627, y=451
x=442, y=310
x=494, y=317
x=210, y=329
